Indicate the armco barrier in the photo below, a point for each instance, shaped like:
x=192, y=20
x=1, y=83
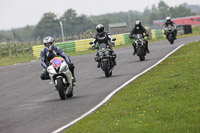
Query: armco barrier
x=37, y=50
x=127, y=39
x=119, y=39
x=67, y=46
x=157, y=34
x=82, y=45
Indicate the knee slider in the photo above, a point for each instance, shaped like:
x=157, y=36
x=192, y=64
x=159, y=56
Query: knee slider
x=114, y=55
x=71, y=65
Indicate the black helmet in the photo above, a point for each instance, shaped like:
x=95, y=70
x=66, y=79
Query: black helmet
x=100, y=28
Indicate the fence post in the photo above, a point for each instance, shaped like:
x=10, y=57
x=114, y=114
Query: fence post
x=29, y=45
x=16, y=50
x=10, y=52
x=22, y=48
x=0, y=51
x=31, y=51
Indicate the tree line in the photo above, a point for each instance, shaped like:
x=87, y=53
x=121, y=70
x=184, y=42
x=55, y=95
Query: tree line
x=74, y=24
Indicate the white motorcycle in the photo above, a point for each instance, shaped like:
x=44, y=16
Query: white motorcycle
x=61, y=77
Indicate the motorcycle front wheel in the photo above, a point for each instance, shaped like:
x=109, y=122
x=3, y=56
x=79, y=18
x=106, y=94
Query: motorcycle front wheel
x=105, y=68
x=61, y=89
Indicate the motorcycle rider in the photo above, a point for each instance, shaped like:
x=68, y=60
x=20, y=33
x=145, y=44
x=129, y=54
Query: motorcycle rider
x=168, y=22
x=103, y=37
x=139, y=29
x=48, y=53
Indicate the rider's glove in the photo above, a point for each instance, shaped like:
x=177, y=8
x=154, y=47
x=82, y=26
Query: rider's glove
x=112, y=43
x=131, y=37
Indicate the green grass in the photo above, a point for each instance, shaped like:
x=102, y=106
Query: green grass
x=165, y=99
x=196, y=29
x=20, y=59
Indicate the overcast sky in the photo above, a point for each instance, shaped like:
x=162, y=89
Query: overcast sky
x=19, y=13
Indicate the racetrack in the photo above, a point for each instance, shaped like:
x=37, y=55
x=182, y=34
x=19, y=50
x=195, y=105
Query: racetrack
x=28, y=104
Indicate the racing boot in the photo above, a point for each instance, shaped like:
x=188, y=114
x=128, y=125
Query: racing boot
x=96, y=58
x=114, y=57
x=135, y=50
x=71, y=68
x=98, y=64
x=175, y=37
x=114, y=62
x=44, y=75
x=147, y=48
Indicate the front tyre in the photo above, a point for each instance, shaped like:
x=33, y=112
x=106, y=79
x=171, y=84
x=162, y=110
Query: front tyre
x=105, y=68
x=171, y=39
x=140, y=53
x=142, y=58
x=61, y=90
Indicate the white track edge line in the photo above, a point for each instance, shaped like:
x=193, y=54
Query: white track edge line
x=115, y=91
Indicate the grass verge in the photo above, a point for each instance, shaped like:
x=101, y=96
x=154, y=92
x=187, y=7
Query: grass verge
x=16, y=59
x=165, y=99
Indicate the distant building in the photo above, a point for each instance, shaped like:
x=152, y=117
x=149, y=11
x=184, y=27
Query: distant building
x=118, y=28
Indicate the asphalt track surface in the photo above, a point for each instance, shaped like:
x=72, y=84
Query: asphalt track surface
x=29, y=105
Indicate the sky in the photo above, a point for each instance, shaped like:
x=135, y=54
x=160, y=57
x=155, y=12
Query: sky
x=20, y=13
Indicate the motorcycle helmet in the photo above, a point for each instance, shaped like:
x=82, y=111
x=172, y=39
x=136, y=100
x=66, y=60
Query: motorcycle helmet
x=168, y=19
x=100, y=28
x=48, y=43
x=138, y=24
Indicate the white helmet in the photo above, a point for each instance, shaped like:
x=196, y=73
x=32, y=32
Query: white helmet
x=168, y=19
x=138, y=24
x=50, y=40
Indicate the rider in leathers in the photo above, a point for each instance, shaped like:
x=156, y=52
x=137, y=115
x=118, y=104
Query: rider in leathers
x=103, y=37
x=48, y=53
x=139, y=29
x=170, y=22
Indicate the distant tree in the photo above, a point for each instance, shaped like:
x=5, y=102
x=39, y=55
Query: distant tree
x=146, y=17
x=181, y=11
x=74, y=24
x=48, y=25
x=163, y=9
x=5, y=36
x=193, y=8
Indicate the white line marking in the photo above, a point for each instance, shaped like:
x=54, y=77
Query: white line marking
x=114, y=92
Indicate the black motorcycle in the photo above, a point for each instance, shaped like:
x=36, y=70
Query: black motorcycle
x=105, y=58
x=140, y=46
x=170, y=31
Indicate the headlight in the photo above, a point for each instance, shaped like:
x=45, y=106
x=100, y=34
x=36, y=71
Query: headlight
x=107, y=53
x=51, y=71
x=64, y=69
x=100, y=53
